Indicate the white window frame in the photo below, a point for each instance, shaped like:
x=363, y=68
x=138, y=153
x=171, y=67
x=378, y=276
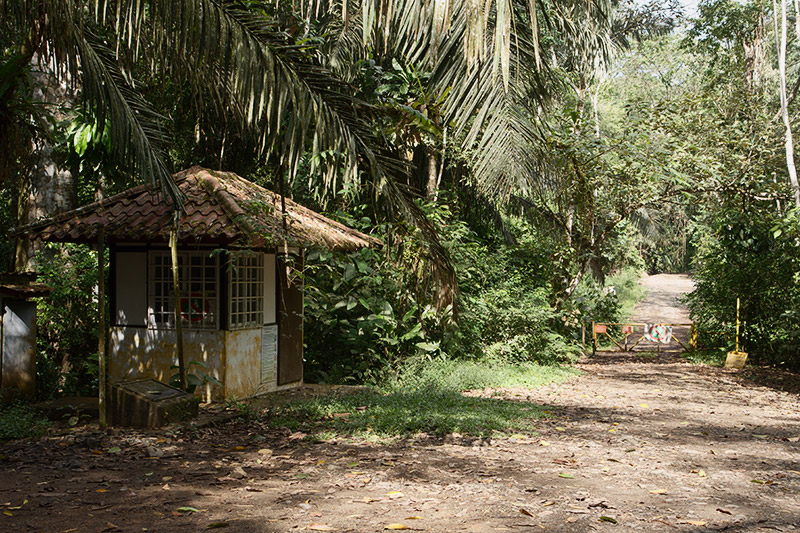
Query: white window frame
x=246, y=290
x=198, y=276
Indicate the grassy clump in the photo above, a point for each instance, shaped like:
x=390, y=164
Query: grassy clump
x=20, y=421
x=426, y=398
x=712, y=357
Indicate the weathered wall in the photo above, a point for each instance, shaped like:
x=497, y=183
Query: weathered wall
x=18, y=380
x=243, y=359
x=142, y=352
x=252, y=362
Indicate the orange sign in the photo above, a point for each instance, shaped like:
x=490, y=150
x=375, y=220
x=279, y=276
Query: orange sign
x=600, y=328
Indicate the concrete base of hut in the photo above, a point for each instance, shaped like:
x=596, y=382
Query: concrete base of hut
x=148, y=403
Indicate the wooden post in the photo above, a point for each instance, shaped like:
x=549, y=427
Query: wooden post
x=101, y=327
x=173, y=246
x=583, y=335
x=594, y=339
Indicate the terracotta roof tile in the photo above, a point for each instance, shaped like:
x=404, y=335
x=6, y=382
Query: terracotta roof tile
x=221, y=208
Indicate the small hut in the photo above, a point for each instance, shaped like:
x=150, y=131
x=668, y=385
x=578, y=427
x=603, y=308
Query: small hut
x=240, y=257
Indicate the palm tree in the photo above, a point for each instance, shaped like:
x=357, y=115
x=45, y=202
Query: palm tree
x=291, y=93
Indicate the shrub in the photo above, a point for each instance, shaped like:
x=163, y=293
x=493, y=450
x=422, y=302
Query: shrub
x=754, y=256
x=66, y=359
x=20, y=421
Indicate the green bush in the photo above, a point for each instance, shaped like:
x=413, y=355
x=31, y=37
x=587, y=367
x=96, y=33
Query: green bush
x=20, y=421
x=366, y=313
x=753, y=256
x=66, y=360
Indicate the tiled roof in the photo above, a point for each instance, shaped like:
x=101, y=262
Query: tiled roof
x=221, y=208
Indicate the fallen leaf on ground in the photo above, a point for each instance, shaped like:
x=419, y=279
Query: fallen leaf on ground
x=396, y=527
x=724, y=511
x=395, y=494
x=187, y=510
x=608, y=519
x=658, y=491
x=216, y=525
x=114, y=449
x=695, y=522
x=643, y=405
x=413, y=518
x=566, y=475
x=526, y=512
x=702, y=473
x=321, y=527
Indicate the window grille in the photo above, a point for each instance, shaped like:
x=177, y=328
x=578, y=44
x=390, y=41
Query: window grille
x=197, y=273
x=247, y=290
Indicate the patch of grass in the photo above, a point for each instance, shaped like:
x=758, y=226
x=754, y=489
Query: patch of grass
x=714, y=357
x=426, y=398
x=464, y=375
x=398, y=414
x=629, y=292
x=20, y=421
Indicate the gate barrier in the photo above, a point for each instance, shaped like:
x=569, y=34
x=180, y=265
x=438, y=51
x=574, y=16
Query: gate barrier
x=660, y=333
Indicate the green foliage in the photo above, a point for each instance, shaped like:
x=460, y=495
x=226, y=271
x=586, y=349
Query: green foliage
x=66, y=361
x=196, y=376
x=20, y=421
x=427, y=399
x=753, y=255
x=364, y=316
x=709, y=357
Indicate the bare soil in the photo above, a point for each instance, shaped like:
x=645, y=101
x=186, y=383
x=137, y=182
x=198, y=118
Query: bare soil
x=635, y=443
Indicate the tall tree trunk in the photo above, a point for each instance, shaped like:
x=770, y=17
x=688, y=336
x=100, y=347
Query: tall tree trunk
x=432, y=188
x=47, y=189
x=789, y=142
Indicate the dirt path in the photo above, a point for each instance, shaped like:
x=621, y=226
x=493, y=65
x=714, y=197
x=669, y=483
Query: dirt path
x=661, y=303
x=632, y=446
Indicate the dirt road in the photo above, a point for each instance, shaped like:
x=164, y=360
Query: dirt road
x=633, y=445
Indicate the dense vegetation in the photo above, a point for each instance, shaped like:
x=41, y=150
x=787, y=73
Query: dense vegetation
x=513, y=178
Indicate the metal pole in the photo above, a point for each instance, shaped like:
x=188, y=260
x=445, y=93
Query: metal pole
x=101, y=327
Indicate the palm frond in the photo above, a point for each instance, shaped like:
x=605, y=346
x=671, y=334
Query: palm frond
x=82, y=58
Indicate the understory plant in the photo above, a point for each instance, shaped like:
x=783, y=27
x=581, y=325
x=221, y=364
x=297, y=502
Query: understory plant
x=66, y=357
x=754, y=256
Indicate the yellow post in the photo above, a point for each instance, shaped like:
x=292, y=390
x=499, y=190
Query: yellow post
x=737, y=324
